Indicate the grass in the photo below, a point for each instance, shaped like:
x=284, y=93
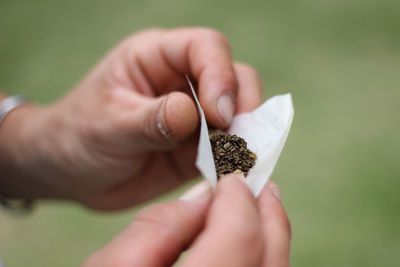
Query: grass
x=339, y=172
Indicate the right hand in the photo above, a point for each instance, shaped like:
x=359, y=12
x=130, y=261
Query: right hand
x=233, y=229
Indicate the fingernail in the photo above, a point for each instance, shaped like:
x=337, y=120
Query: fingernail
x=275, y=190
x=226, y=108
x=161, y=123
x=198, y=191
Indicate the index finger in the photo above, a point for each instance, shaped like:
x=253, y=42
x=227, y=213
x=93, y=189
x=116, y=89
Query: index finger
x=206, y=55
x=165, y=57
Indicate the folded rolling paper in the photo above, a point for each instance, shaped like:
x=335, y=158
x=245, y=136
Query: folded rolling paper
x=265, y=131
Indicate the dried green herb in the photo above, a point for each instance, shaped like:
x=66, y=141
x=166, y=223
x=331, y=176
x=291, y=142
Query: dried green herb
x=231, y=153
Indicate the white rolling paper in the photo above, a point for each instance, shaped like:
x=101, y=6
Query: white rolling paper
x=265, y=131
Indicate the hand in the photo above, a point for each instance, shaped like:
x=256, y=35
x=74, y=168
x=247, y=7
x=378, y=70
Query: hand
x=125, y=133
x=233, y=229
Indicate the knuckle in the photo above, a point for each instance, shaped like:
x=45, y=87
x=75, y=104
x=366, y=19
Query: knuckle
x=132, y=40
x=143, y=33
x=211, y=34
x=150, y=32
x=228, y=82
x=116, y=73
x=247, y=68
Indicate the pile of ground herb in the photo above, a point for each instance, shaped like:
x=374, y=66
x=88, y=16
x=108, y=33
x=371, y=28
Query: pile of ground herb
x=231, y=153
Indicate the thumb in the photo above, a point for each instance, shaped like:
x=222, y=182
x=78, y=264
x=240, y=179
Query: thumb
x=232, y=235
x=162, y=123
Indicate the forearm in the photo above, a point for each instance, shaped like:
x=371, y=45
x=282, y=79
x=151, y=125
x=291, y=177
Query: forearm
x=21, y=167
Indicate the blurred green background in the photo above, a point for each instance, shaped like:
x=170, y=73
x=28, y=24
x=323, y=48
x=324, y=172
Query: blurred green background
x=339, y=172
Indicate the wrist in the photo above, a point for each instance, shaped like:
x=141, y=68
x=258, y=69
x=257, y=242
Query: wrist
x=24, y=161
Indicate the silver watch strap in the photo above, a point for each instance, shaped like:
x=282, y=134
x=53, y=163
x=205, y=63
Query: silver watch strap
x=9, y=104
x=6, y=106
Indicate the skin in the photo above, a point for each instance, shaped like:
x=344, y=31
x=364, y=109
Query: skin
x=226, y=228
x=127, y=132
x=101, y=144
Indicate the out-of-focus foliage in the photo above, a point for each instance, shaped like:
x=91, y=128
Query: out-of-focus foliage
x=339, y=172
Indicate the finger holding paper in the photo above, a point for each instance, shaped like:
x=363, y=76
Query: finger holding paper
x=250, y=88
x=232, y=235
x=158, y=61
x=228, y=228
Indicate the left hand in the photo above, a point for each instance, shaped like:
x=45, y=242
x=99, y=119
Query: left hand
x=125, y=133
